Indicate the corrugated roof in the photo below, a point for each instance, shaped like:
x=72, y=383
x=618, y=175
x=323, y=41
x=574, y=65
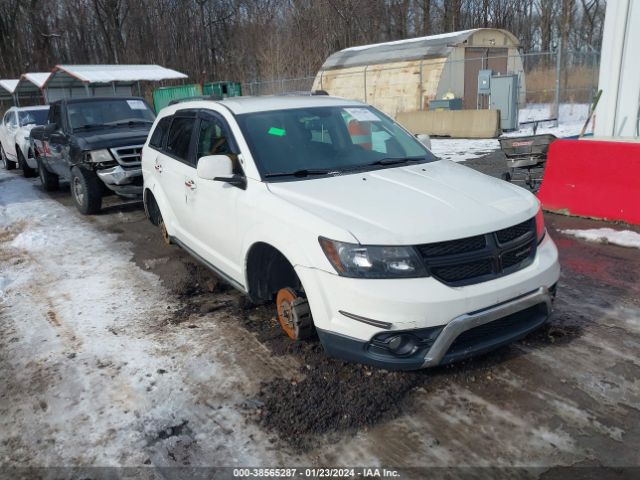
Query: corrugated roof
x=67, y=75
x=38, y=79
x=9, y=85
x=432, y=46
x=31, y=83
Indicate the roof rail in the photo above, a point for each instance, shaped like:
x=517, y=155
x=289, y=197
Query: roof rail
x=305, y=93
x=196, y=97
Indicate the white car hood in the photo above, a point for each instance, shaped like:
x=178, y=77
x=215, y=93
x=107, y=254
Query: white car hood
x=413, y=204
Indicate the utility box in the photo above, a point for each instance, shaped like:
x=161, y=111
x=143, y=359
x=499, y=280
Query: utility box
x=164, y=95
x=504, y=97
x=223, y=89
x=484, y=82
x=450, y=104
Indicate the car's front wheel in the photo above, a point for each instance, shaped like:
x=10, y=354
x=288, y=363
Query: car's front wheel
x=86, y=190
x=6, y=163
x=50, y=181
x=294, y=314
x=27, y=171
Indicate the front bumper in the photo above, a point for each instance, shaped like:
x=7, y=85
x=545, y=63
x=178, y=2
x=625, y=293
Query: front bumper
x=465, y=336
x=123, y=181
x=355, y=317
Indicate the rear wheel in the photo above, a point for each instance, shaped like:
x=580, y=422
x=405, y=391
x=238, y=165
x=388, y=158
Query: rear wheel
x=27, y=171
x=50, y=181
x=294, y=314
x=6, y=163
x=86, y=190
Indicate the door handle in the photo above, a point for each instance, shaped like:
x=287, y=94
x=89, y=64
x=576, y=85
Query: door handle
x=190, y=184
x=158, y=168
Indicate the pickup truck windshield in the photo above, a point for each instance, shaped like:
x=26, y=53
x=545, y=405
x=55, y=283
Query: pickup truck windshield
x=108, y=113
x=316, y=141
x=33, y=117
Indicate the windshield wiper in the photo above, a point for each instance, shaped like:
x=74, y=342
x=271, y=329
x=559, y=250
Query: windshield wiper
x=306, y=172
x=132, y=122
x=396, y=161
x=90, y=125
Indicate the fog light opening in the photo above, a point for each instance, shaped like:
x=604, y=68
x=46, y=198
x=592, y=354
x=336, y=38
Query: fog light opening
x=402, y=345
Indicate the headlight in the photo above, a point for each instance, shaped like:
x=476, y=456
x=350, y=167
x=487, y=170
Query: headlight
x=100, y=156
x=540, y=228
x=360, y=261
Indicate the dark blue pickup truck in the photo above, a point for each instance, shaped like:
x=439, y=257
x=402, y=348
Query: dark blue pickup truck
x=95, y=144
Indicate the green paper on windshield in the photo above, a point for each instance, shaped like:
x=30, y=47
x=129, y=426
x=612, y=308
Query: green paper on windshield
x=278, y=132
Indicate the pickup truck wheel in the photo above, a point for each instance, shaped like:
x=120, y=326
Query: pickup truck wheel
x=6, y=163
x=27, y=171
x=294, y=314
x=50, y=181
x=86, y=190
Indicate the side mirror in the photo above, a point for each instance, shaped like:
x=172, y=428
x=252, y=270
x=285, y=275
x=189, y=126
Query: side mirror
x=213, y=167
x=219, y=168
x=424, y=139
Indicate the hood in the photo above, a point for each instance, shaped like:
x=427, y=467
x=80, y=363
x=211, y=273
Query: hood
x=413, y=204
x=111, y=137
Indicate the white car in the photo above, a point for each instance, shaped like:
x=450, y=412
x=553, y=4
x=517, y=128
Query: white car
x=15, y=146
x=327, y=206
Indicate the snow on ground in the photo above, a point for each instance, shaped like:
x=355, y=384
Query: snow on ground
x=571, y=120
x=89, y=366
x=625, y=238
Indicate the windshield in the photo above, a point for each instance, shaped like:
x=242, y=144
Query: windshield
x=303, y=142
x=33, y=117
x=109, y=112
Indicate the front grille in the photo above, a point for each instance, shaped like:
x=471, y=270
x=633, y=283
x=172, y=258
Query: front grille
x=508, y=234
x=128, y=156
x=453, y=247
x=480, y=258
x=453, y=273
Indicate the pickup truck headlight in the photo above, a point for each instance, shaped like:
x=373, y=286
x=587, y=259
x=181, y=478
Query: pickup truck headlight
x=540, y=228
x=100, y=156
x=373, y=261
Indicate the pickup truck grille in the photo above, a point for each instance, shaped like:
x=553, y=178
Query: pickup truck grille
x=128, y=156
x=482, y=257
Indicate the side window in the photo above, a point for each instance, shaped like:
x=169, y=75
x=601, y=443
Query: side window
x=212, y=139
x=11, y=119
x=160, y=133
x=179, y=137
x=54, y=115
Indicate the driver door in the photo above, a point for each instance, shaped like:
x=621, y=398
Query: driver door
x=211, y=220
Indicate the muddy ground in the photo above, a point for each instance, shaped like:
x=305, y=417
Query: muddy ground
x=567, y=395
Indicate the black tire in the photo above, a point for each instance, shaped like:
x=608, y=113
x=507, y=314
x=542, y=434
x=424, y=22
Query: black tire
x=8, y=164
x=86, y=190
x=27, y=171
x=50, y=181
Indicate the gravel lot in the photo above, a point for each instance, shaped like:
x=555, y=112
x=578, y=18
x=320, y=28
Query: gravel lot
x=118, y=350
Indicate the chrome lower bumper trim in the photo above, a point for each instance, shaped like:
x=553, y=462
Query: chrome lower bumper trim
x=470, y=320
x=118, y=175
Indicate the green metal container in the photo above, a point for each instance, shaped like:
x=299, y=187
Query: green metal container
x=223, y=89
x=162, y=96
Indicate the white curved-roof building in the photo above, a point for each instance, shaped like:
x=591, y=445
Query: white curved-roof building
x=405, y=75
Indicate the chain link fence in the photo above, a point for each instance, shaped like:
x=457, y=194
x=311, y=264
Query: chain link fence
x=572, y=78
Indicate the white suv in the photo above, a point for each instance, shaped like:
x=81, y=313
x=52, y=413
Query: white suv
x=394, y=257
x=15, y=146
